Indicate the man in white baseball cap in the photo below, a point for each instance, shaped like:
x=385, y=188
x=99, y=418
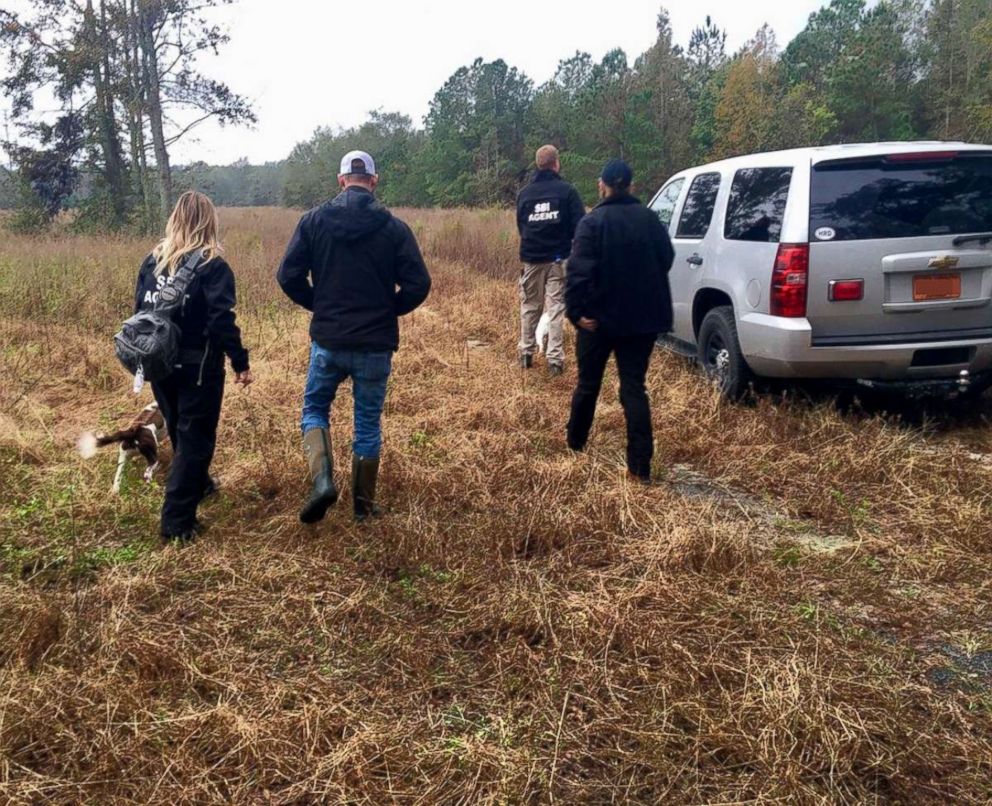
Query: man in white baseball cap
x=357, y=268
x=357, y=163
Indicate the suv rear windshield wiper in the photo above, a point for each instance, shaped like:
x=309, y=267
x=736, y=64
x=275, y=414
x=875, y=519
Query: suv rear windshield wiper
x=981, y=237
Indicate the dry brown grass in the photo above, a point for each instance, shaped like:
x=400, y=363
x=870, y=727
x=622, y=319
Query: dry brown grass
x=799, y=614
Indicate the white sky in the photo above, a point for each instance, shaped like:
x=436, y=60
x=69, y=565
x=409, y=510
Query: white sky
x=308, y=63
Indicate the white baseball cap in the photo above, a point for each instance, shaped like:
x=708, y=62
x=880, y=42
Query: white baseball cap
x=357, y=162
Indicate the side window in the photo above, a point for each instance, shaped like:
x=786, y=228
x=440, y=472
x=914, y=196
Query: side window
x=757, y=204
x=664, y=203
x=697, y=213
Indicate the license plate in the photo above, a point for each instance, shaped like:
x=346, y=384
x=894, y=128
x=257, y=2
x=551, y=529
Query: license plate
x=936, y=286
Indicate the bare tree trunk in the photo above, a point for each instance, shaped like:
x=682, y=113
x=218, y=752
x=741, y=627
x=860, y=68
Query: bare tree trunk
x=153, y=103
x=106, y=113
x=136, y=118
x=139, y=162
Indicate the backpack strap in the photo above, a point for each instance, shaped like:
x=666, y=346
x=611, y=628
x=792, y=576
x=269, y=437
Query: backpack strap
x=172, y=294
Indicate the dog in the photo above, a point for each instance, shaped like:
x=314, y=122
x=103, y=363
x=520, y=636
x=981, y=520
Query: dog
x=542, y=333
x=143, y=436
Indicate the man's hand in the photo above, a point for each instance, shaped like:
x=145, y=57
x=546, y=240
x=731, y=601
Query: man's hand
x=588, y=324
x=246, y=378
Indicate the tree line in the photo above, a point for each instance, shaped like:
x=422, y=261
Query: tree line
x=124, y=81
x=8, y=189
x=897, y=70
x=901, y=69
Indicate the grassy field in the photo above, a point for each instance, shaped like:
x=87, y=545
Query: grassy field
x=799, y=613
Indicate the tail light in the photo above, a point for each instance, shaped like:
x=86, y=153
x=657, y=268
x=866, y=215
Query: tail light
x=921, y=156
x=846, y=290
x=790, y=279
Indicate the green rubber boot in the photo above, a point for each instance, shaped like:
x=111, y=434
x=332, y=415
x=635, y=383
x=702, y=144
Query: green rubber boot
x=364, y=478
x=323, y=495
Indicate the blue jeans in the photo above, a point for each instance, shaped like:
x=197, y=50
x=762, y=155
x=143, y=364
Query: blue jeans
x=369, y=373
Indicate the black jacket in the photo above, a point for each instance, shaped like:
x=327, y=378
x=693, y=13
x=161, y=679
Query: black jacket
x=618, y=272
x=548, y=211
x=206, y=318
x=357, y=268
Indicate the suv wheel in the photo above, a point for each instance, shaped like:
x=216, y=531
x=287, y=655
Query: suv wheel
x=719, y=353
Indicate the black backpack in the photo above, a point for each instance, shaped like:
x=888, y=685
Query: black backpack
x=148, y=343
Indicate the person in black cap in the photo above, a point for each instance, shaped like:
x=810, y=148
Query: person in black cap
x=617, y=296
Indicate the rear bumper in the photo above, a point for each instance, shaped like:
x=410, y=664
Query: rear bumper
x=933, y=386
x=782, y=348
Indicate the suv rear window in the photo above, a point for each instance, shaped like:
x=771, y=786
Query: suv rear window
x=757, y=204
x=902, y=196
x=697, y=212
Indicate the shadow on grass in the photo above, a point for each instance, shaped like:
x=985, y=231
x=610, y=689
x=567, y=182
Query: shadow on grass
x=936, y=413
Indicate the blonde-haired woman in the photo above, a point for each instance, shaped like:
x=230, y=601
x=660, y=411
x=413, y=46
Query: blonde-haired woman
x=190, y=398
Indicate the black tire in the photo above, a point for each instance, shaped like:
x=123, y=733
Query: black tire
x=718, y=351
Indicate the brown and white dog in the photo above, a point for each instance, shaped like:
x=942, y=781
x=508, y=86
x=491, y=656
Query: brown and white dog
x=143, y=436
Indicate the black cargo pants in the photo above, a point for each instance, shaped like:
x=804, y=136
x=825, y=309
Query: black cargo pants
x=633, y=354
x=190, y=401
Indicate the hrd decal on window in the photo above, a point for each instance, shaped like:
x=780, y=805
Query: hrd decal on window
x=543, y=212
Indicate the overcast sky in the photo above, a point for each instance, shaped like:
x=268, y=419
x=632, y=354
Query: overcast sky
x=310, y=63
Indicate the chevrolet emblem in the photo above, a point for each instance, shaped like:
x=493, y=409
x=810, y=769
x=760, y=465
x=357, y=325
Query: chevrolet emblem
x=944, y=263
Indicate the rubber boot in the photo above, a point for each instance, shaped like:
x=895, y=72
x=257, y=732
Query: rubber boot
x=364, y=477
x=323, y=495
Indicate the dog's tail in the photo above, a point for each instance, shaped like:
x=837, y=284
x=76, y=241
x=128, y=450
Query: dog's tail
x=87, y=445
x=88, y=442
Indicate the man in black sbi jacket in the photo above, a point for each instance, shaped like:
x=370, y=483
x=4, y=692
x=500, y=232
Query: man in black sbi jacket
x=618, y=297
x=357, y=269
x=548, y=211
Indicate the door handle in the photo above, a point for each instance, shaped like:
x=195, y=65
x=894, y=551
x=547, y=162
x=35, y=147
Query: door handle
x=694, y=260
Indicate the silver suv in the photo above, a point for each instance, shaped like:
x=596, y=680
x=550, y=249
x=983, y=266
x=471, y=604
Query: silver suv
x=862, y=262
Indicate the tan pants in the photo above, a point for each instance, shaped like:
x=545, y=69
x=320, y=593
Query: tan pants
x=542, y=289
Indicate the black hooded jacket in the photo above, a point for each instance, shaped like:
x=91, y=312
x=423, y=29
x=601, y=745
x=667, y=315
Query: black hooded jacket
x=618, y=272
x=548, y=211
x=357, y=268
x=206, y=319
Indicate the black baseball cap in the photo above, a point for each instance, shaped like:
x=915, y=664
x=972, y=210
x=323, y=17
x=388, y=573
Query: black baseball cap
x=617, y=175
